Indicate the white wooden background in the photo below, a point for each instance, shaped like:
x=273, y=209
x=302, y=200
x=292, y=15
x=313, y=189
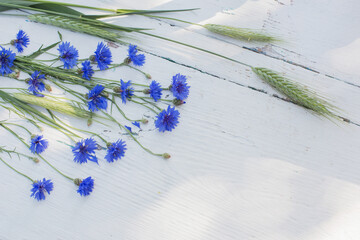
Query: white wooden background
x=245, y=164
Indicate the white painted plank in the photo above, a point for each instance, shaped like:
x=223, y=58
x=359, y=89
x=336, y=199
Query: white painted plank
x=244, y=165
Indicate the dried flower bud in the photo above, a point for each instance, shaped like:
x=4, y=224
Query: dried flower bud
x=117, y=89
x=77, y=181
x=36, y=160
x=89, y=122
x=48, y=87
x=166, y=155
x=178, y=102
x=148, y=76
x=144, y=120
x=127, y=60
x=92, y=58
x=105, y=94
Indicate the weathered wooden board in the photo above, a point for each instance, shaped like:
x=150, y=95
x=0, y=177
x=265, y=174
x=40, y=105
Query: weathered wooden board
x=245, y=164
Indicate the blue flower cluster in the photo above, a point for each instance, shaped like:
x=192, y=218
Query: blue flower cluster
x=68, y=55
x=179, y=87
x=41, y=187
x=95, y=100
x=38, y=144
x=125, y=90
x=84, y=151
x=167, y=119
x=7, y=58
x=36, y=84
x=86, y=186
x=134, y=57
x=22, y=41
x=103, y=56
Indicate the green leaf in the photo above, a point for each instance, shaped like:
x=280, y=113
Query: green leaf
x=42, y=50
x=57, y=8
x=18, y=2
x=131, y=11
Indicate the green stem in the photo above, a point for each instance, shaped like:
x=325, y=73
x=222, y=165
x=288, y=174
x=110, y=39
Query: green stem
x=27, y=145
x=145, y=100
x=144, y=104
x=132, y=136
x=174, y=19
x=144, y=73
x=22, y=174
x=194, y=47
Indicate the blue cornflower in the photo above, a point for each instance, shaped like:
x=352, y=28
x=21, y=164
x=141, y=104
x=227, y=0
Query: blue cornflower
x=84, y=150
x=38, y=144
x=7, y=58
x=167, y=120
x=103, y=56
x=115, y=151
x=86, y=186
x=96, y=100
x=40, y=187
x=87, y=70
x=68, y=55
x=36, y=84
x=179, y=87
x=137, y=124
x=22, y=40
x=137, y=59
x=155, y=90
x=125, y=90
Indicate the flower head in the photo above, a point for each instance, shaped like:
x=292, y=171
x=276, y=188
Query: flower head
x=36, y=84
x=155, y=90
x=40, y=188
x=96, y=101
x=22, y=40
x=179, y=87
x=167, y=120
x=125, y=90
x=7, y=58
x=136, y=59
x=84, y=150
x=38, y=144
x=87, y=70
x=86, y=186
x=103, y=56
x=115, y=151
x=68, y=54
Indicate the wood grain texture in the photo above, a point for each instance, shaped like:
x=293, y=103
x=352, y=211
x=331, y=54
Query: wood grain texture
x=245, y=164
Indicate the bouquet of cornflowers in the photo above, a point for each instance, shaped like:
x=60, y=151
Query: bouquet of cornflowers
x=92, y=105
x=101, y=94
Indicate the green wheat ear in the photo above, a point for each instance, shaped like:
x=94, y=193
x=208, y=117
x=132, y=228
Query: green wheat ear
x=241, y=33
x=296, y=92
x=77, y=26
x=57, y=106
